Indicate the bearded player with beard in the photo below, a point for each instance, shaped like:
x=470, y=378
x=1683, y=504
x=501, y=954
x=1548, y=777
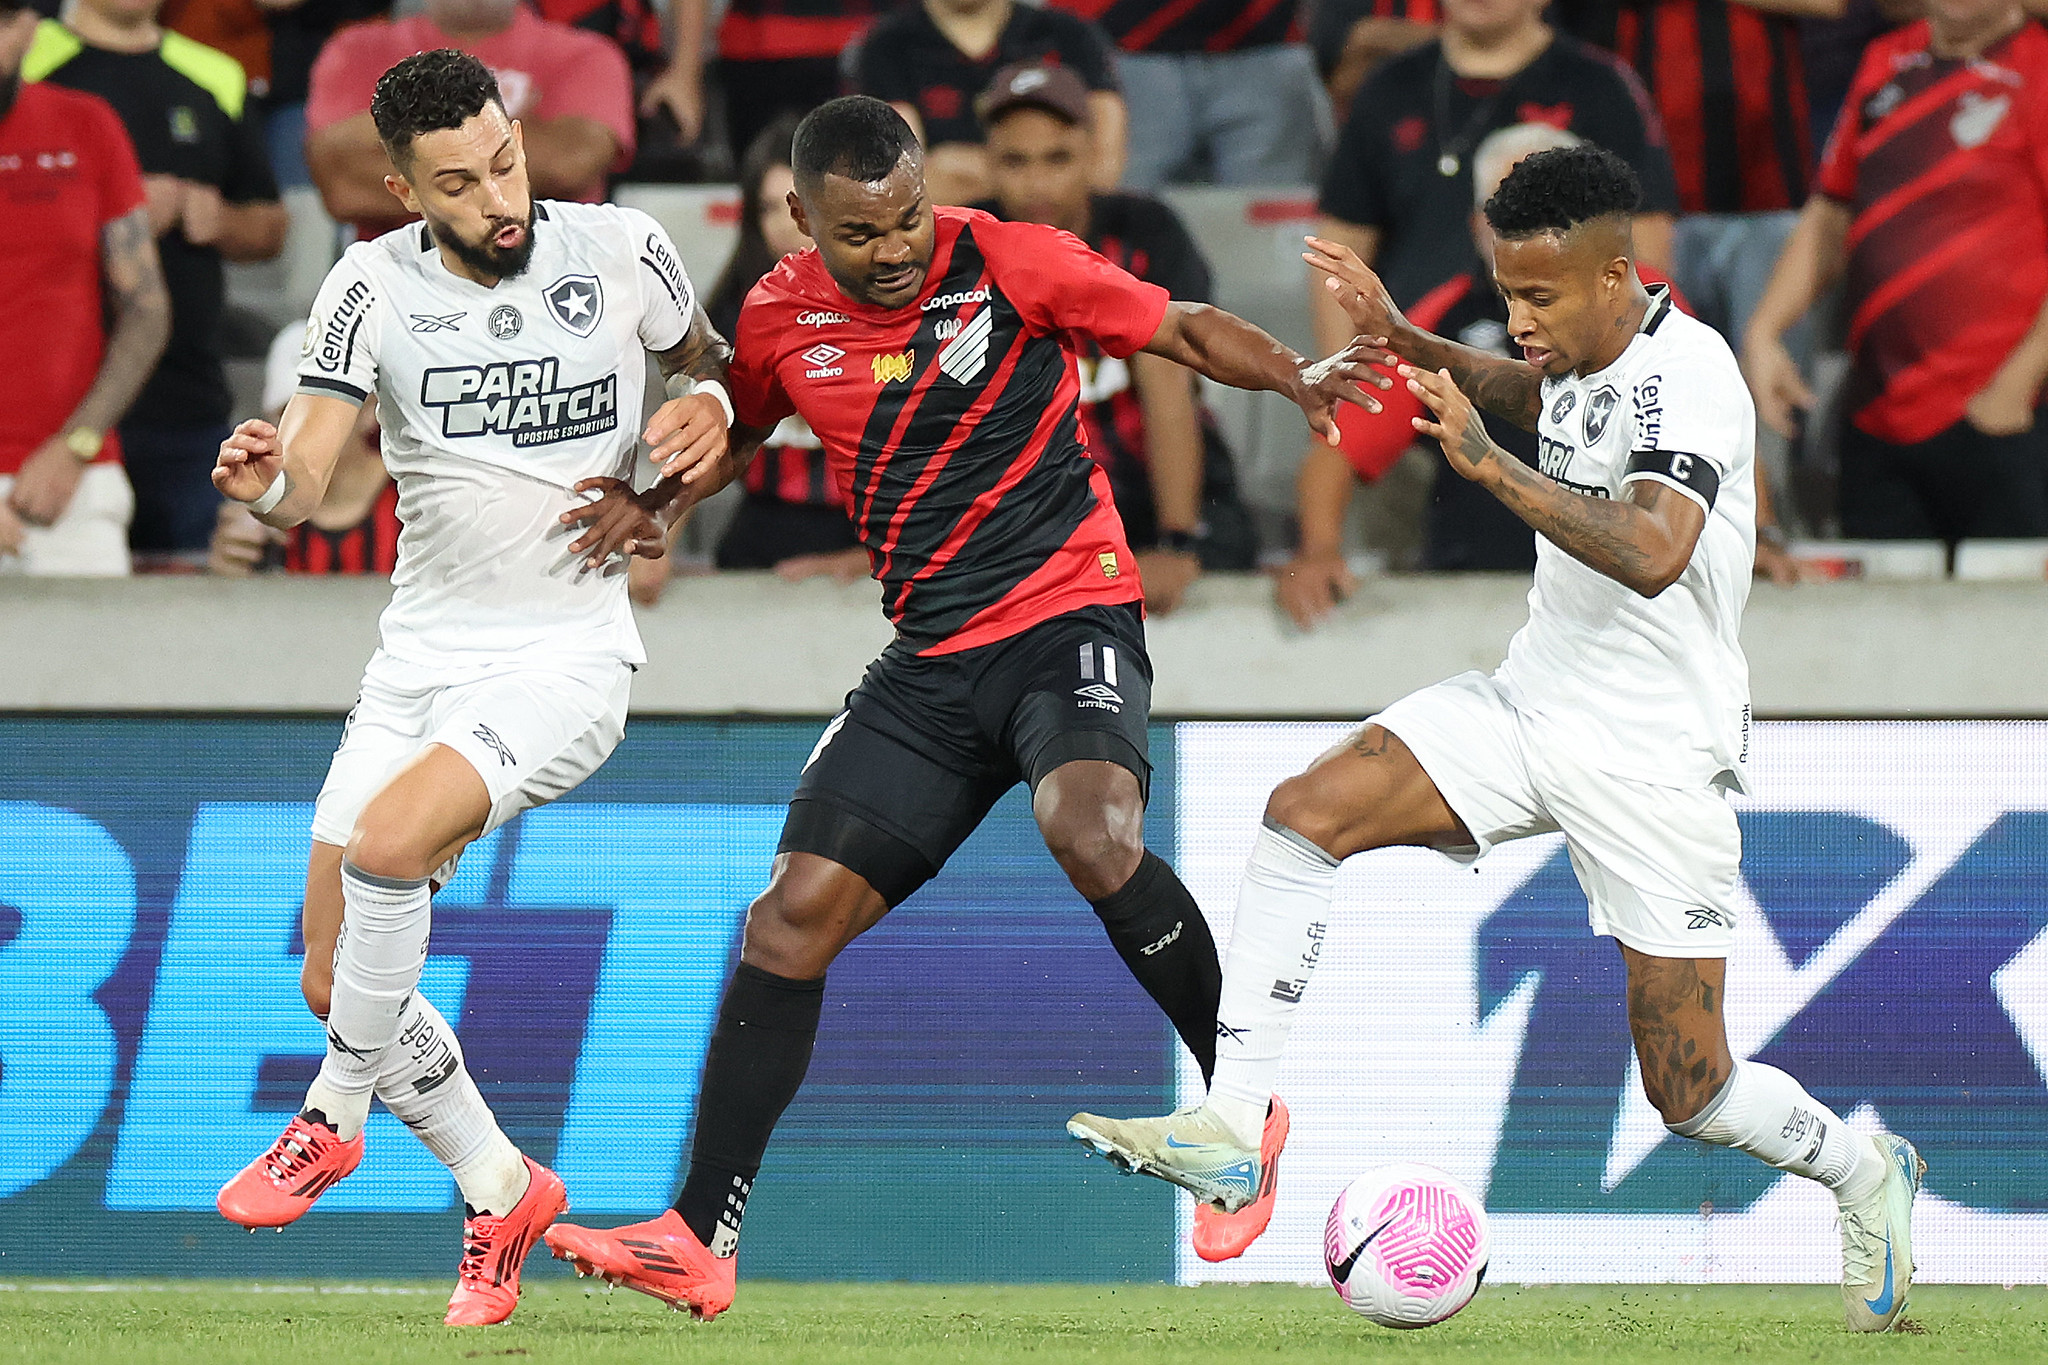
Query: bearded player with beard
x=503, y=340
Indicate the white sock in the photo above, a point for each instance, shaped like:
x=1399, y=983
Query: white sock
x=377, y=964
x=1283, y=906
x=424, y=1082
x=1763, y=1111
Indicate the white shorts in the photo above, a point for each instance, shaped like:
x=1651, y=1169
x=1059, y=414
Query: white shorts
x=532, y=734
x=1658, y=864
x=90, y=540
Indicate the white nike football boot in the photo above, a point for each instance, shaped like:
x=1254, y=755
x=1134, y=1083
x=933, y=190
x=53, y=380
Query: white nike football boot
x=1877, y=1241
x=1191, y=1149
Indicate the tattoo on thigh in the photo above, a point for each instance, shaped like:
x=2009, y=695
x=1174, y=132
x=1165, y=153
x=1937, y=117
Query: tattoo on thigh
x=1371, y=742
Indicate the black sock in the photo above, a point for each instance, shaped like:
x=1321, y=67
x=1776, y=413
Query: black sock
x=760, y=1049
x=1158, y=930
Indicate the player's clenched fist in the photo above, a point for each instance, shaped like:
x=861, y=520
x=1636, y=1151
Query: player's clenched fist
x=249, y=462
x=687, y=436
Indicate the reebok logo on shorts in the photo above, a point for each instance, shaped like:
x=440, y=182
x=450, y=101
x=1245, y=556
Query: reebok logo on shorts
x=1706, y=917
x=496, y=745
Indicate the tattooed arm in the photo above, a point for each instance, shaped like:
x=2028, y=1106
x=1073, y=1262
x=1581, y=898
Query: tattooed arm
x=1506, y=388
x=1642, y=540
x=141, y=312
x=687, y=435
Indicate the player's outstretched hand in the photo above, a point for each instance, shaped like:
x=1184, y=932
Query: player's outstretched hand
x=687, y=436
x=1457, y=426
x=619, y=521
x=1341, y=378
x=1356, y=289
x=249, y=461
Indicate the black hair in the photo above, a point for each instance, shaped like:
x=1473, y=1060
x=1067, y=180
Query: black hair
x=1556, y=190
x=856, y=136
x=751, y=257
x=429, y=91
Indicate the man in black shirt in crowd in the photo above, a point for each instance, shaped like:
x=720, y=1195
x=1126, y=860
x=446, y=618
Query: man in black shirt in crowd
x=1399, y=189
x=1171, y=471
x=932, y=60
x=211, y=199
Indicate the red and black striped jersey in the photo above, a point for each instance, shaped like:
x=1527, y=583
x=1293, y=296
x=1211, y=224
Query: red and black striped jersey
x=774, y=30
x=1943, y=164
x=1191, y=25
x=369, y=546
x=952, y=424
x=1729, y=83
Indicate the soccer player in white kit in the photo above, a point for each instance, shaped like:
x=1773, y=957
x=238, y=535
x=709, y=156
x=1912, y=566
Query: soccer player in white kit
x=1620, y=717
x=503, y=338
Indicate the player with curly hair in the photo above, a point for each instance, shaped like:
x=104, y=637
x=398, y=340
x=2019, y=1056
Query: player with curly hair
x=1620, y=717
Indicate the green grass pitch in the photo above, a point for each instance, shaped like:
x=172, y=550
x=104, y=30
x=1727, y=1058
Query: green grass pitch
x=226, y=1324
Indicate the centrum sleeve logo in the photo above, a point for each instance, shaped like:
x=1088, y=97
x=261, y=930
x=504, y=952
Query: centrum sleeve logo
x=891, y=367
x=520, y=399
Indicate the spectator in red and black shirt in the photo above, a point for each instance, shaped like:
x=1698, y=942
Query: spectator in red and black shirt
x=794, y=516
x=1169, y=468
x=1933, y=196
x=1728, y=78
x=782, y=57
x=932, y=60
x=933, y=351
x=1223, y=91
x=1399, y=189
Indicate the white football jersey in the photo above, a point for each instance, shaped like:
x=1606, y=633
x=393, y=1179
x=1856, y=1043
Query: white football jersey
x=1656, y=688
x=494, y=402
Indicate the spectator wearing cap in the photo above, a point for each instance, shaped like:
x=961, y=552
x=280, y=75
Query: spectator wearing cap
x=211, y=198
x=933, y=59
x=1223, y=91
x=1728, y=80
x=1168, y=466
x=75, y=233
x=570, y=89
x=1930, y=201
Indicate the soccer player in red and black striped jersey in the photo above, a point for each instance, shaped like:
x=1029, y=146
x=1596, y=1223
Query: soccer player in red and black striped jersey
x=933, y=352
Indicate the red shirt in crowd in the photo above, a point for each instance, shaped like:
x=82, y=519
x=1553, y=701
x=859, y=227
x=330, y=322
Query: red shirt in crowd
x=952, y=424
x=777, y=30
x=544, y=71
x=1730, y=85
x=67, y=169
x=1944, y=165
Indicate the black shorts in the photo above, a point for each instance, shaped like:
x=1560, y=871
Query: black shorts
x=927, y=744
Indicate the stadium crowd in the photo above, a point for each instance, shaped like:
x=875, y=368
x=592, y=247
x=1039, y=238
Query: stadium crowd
x=1825, y=181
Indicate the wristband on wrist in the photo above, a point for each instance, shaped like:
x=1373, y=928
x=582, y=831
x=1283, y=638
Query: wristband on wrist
x=716, y=390
x=272, y=495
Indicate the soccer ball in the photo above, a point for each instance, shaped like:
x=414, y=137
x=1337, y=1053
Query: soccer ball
x=1406, y=1245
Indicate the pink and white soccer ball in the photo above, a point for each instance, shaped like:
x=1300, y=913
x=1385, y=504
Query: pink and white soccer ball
x=1406, y=1245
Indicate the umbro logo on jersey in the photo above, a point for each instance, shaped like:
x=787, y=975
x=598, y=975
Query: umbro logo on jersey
x=888, y=368
x=963, y=357
x=1598, y=411
x=824, y=361
x=577, y=301
x=437, y=322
